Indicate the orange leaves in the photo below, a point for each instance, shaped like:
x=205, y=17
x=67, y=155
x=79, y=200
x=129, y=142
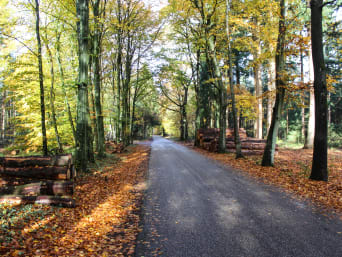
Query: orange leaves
x=105, y=221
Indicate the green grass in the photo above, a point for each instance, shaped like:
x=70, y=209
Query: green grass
x=289, y=144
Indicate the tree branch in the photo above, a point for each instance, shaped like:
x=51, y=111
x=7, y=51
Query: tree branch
x=21, y=42
x=327, y=3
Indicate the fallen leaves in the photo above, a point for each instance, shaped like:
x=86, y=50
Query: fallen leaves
x=291, y=171
x=104, y=223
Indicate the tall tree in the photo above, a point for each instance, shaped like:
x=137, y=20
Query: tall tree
x=82, y=130
x=231, y=84
x=309, y=140
x=319, y=169
x=97, y=41
x=268, y=156
x=208, y=13
x=52, y=93
x=61, y=73
x=41, y=80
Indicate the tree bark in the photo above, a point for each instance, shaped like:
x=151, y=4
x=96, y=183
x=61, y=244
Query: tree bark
x=56, y=173
x=303, y=130
x=61, y=71
x=42, y=188
x=57, y=160
x=258, y=84
x=319, y=169
x=222, y=91
x=311, y=124
x=97, y=80
x=82, y=129
x=52, y=96
x=271, y=88
x=238, y=153
x=46, y=200
x=268, y=156
x=41, y=81
x=3, y=116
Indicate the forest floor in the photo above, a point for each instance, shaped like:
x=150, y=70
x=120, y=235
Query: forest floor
x=291, y=172
x=105, y=221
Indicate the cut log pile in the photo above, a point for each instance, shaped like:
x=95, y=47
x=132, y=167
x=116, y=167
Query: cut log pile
x=37, y=179
x=113, y=147
x=208, y=140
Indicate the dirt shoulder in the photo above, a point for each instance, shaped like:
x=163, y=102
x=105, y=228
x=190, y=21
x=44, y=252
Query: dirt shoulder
x=291, y=171
x=104, y=223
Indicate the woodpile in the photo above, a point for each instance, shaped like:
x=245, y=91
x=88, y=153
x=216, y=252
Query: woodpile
x=38, y=179
x=113, y=147
x=208, y=140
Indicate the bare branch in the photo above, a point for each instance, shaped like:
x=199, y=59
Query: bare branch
x=21, y=42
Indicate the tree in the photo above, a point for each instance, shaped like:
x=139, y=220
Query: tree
x=175, y=86
x=41, y=80
x=268, y=156
x=208, y=13
x=319, y=169
x=52, y=93
x=97, y=41
x=232, y=93
x=82, y=127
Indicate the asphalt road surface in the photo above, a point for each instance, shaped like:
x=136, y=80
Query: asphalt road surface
x=196, y=207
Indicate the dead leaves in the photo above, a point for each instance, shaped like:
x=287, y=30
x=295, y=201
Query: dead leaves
x=104, y=223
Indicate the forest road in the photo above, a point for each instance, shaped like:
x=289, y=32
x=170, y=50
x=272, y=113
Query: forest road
x=196, y=207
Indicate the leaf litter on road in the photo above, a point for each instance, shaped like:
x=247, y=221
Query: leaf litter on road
x=104, y=223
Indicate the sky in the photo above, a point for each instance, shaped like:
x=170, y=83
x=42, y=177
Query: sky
x=156, y=4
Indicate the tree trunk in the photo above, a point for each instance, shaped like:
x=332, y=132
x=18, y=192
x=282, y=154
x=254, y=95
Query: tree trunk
x=232, y=93
x=258, y=95
x=181, y=127
x=93, y=119
x=61, y=71
x=97, y=80
x=198, y=98
x=56, y=160
x=46, y=200
x=55, y=173
x=258, y=85
x=319, y=169
x=222, y=90
x=271, y=88
x=3, y=116
x=268, y=156
x=311, y=124
x=303, y=131
x=82, y=100
x=41, y=81
x=41, y=188
x=119, y=73
x=90, y=134
x=184, y=113
x=52, y=96
x=126, y=93
x=135, y=95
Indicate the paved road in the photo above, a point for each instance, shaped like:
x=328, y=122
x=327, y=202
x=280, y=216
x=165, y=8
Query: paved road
x=196, y=207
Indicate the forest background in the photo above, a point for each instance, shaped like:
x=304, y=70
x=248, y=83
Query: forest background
x=174, y=69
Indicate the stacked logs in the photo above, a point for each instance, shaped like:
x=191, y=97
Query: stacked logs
x=113, y=147
x=37, y=179
x=208, y=140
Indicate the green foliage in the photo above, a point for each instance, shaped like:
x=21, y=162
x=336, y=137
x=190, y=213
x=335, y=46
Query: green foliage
x=335, y=136
x=12, y=216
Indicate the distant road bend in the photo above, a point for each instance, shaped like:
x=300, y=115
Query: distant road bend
x=195, y=207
